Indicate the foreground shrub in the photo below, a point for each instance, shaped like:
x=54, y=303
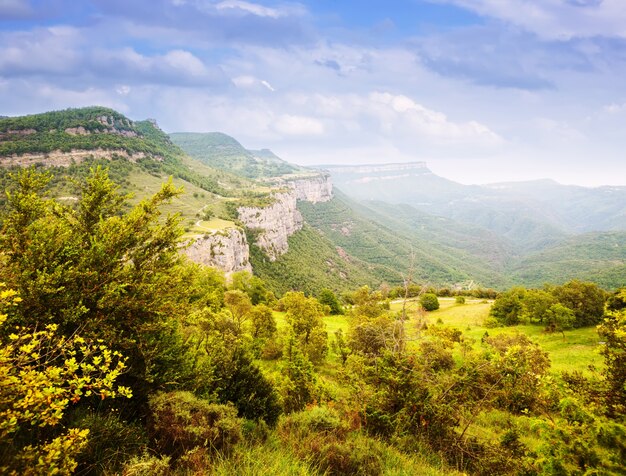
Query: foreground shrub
x=181, y=422
x=112, y=442
x=352, y=457
x=429, y=301
x=320, y=420
x=320, y=436
x=243, y=384
x=147, y=465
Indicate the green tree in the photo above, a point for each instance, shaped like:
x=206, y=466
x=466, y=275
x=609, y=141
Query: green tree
x=559, y=318
x=298, y=385
x=263, y=322
x=99, y=270
x=536, y=304
x=208, y=287
x=239, y=305
x=368, y=303
x=328, y=298
x=617, y=300
x=585, y=299
x=305, y=316
x=429, y=301
x=253, y=286
x=613, y=331
x=507, y=308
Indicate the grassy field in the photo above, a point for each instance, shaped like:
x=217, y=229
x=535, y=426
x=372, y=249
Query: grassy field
x=577, y=350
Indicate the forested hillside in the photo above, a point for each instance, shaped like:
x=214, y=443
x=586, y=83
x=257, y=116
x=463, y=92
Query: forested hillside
x=531, y=214
x=384, y=240
x=224, y=152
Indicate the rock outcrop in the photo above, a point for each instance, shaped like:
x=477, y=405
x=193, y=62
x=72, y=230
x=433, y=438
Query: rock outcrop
x=312, y=189
x=58, y=158
x=227, y=250
x=274, y=224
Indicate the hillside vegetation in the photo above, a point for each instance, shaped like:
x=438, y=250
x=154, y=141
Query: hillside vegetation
x=490, y=236
x=119, y=356
x=381, y=240
x=531, y=215
x=223, y=152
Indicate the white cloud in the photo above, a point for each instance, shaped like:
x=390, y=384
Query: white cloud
x=267, y=85
x=249, y=7
x=556, y=19
x=42, y=50
x=614, y=108
x=174, y=67
x=298, y=125
x=123, y=90
x=250, y=82
x=397, y=117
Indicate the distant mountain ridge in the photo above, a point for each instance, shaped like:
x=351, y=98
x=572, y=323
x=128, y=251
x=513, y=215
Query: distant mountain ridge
x=226, y=153
x=533, y=214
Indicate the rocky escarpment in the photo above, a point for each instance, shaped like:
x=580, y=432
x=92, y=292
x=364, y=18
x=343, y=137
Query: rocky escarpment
x=58, y=158
x=312, y=189
x=227, y=250
x=273, y=224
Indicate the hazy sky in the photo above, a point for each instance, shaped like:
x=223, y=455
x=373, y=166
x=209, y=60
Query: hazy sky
x=483, y=90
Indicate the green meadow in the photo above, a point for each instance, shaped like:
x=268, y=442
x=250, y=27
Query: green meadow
x=576, y=349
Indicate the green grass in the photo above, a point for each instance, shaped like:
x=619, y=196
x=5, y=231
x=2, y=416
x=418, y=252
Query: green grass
x=576, y=351
x=274, y=457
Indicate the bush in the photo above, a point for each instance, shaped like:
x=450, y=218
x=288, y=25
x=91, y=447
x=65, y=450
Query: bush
x=272, y=349
x=182, y=422
x=319, y=435
x=353, y=457
x=111, y=442
x=507, y=309
x=491, y=322
x=243, y=384
x=147, y=465
x=328, y=298
x=460, y=299
x=316, y=420
x=429, y=302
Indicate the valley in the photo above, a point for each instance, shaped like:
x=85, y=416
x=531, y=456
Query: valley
x=178, y=304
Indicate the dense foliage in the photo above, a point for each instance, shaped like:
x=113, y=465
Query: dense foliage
x=574, y=304
x=312, y=264
x=99, y=303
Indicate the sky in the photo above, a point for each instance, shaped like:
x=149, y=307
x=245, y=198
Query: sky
x=482, y=90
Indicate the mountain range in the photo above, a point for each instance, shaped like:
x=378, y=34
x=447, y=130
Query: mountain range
x=249, y=209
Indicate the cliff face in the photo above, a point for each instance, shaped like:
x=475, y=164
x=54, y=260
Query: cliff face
x=274, y=224
x=314, y=189
x=227, y=251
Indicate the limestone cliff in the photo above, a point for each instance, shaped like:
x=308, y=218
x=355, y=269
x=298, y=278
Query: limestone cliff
x=58, y=158
x=312, y=189
x=227, y=250
x=274, y=224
